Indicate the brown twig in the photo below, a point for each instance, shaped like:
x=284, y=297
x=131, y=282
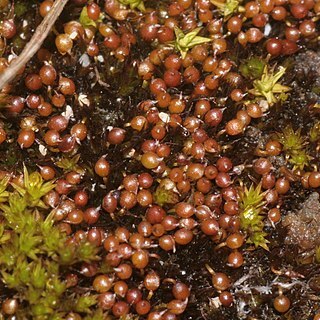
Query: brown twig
x=34, y=44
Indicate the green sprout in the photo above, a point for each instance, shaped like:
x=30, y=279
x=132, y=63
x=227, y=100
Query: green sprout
x=268, y=86
x=4, y=235
x=15, y=205
x=314, y=133
x=226, y=8
x=34, y=188
x=185, y=42
x=290, y=139
x=3, y=186
x=252, y=68
x=70, y=164
x=166, y=193
x=134, y=4
x=85, y=302
x=251, y=215
x=20, y=8
x=293, y=145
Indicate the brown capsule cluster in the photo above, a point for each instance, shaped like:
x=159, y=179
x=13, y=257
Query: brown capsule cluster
x=46, y=118
x=125, y=252
x=118, y=41
x=213, y=197
x=183, y=183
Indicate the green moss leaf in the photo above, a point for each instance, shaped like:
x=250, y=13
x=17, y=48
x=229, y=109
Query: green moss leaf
x=84, y=303
x=8, y=254
x=57, y=286
x=38, y=275
x=41, y=310
x=3, y=186
x=28, y=244
x=67, y=255
x=23, y=269
x=10, y=279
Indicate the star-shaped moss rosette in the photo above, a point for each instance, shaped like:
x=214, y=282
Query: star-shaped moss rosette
x=185, y=42
x=134, y=4
x=166, y=193
x=293, y=144
x=68, y=164
x=252, y=68
x=269, y=87
x=34, y=188
x=226, y=8
x=291, y=140
x=251, y=204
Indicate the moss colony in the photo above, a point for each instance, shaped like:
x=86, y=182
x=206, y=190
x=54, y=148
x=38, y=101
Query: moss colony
x=159, y=160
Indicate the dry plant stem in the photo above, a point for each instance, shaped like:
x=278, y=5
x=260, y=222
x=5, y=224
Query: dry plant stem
x=34, y=44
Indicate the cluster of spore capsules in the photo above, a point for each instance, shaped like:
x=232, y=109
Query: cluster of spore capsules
x=208, y=73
